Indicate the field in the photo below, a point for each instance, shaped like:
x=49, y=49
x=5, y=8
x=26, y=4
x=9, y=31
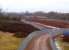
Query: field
x=8, y=41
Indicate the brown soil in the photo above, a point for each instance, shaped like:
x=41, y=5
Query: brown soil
x=56, y=23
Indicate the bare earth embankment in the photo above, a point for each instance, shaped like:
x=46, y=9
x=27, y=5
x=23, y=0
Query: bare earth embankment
x=55, y=23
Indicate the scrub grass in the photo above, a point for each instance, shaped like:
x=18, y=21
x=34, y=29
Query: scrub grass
x=63, y=45
x=8, y=41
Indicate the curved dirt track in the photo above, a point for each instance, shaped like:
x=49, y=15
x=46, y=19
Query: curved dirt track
x=36, y=42
x=39, y=43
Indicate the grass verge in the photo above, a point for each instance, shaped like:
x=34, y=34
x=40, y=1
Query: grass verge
x=8, y=41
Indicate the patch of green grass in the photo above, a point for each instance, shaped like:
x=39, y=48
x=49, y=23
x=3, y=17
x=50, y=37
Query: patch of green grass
x=8, y=41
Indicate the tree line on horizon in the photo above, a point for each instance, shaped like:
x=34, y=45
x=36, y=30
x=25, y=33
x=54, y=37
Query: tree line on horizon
x=18, y=16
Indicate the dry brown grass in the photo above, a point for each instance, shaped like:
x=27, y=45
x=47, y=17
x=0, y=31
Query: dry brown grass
x=8, y=41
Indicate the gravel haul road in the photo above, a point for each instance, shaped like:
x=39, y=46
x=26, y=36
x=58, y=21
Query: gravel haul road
x=36, y=40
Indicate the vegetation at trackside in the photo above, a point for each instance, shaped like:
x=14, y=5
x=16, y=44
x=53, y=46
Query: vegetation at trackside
x=8, y=41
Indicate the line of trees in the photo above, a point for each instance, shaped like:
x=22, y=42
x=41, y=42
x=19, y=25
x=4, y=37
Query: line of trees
x=18, y=16
x=8, y=16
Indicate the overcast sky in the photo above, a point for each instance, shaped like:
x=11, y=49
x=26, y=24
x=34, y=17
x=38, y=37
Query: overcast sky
x=35, y=5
